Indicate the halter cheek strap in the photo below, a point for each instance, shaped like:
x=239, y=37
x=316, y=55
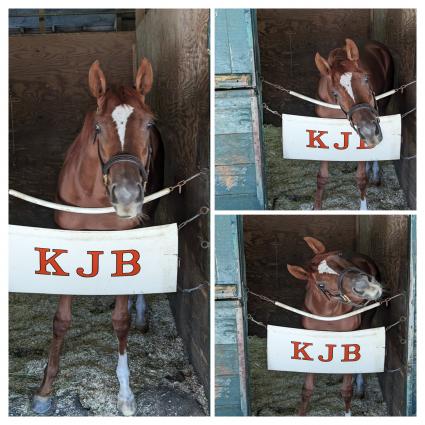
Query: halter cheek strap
x=123, y=157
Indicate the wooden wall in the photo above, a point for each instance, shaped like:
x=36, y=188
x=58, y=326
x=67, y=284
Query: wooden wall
x=48, y=93
x=289, y=39
x=176, y=42
x=397, y=29
x=386, y=239
x=272, y=242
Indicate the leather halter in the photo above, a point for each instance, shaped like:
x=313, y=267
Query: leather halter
x=341, y=295
x=360, y=106
x=123, y=157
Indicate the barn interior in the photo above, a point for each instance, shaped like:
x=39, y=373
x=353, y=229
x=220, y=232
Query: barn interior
x=288, y=40
x=272, y=242
x=51, y=51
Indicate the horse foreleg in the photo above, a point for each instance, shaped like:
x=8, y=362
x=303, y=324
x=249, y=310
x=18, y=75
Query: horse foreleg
x=361, y=178
x=347, y=393
x=306, y=394
x=322, y=181
x=360, y=385
x=121, y=322
x=42, y=400
x=142, y=323
x=374, y=173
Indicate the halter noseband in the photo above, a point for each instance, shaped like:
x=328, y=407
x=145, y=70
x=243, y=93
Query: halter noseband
x=360, y=106
x=123, y=157
x=341, y=295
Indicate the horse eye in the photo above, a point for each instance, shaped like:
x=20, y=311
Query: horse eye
x=97, y=128
x=335, y=94
x=366, y=79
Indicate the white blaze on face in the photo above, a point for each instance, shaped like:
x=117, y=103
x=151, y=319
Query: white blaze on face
x=120, y=116
x=345, y=81
x=324, y=268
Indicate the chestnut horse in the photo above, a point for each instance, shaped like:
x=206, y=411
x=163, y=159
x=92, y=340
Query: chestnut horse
x=336, y=284
x=116, y=159
x=351, y=79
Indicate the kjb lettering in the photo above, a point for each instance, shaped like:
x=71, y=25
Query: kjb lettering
x=351, y=352
x=124, y=259
x=315, y=140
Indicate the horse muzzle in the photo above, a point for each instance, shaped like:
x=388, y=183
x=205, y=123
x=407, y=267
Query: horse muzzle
x=371, y=133
x=127, y=199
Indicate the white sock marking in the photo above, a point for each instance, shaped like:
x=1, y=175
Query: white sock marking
x=123, y=374
x=324, y=268
x=140, y=307
x=348, y=413
x=363, y=204
x=345, y=81
x=120, y=116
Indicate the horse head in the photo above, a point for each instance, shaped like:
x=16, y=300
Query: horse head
x=348, y=281
x=121, y=130
x=349, y=85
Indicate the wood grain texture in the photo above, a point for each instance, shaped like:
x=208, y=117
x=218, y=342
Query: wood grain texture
x=397, y=29
x=386, y=240
x=230, y=366
x=49, y=97
x=176, y=43
x=234, y=46
x=272, y=242
x=238, y=178
x=289, y=39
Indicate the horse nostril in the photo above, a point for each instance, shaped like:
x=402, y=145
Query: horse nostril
x=140, y=195
x=113, y=195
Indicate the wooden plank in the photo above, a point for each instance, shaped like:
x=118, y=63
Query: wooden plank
x=176, y=43
x=289, y=39
x=411, y=320
x=227, y=261
x=386, y=240
x=238, y=149
x=236, y=202
x=49, y=98
x=239, y=162
x=397, y=29
x=234, y=45
x=230, y=365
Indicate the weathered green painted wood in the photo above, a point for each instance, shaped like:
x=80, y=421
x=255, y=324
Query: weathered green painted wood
x=238, y=151
x=227, y=262
x=234, y=47
x=230, y=365
x=230, y=319
x=411, y=336
x=234, y=202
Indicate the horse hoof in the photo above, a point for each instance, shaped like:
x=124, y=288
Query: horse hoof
x=127, y=406
x=41, y=404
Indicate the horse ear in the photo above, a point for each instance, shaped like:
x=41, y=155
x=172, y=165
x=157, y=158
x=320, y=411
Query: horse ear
x=352, y=50
x=144, y=78
x=322, y=65
x=97, y=81
x=298, y=272
x=316, y=246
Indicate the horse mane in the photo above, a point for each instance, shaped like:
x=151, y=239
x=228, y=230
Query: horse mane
x=339, y=61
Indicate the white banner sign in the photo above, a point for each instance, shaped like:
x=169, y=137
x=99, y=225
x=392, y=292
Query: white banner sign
x=302, y=350
x=48, y=261
x=327, y=139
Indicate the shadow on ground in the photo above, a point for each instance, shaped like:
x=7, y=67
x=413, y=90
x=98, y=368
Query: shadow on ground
x=276, y=393
x=161, y=377
x=291, y=184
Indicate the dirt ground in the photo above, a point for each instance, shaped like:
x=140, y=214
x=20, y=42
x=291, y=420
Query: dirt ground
x=275, y=393
x=162, y=380
x=291, y=184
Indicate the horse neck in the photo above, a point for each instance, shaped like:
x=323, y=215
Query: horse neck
x=82, y=168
